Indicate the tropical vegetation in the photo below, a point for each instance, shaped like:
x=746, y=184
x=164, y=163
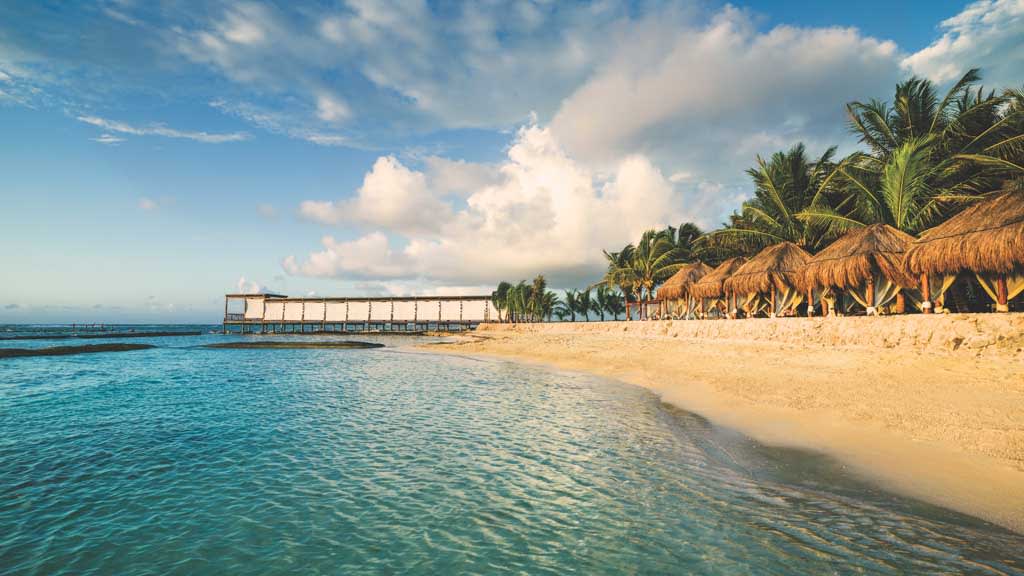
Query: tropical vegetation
x=926, y=156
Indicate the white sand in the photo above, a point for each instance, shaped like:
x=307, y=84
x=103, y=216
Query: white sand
x=929, y=406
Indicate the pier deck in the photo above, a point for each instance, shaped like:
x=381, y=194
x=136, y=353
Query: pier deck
x=276, y=313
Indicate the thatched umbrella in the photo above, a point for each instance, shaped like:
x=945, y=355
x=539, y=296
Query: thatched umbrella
x=868, y=262
x=986, y=238
x=774, y=271
x=677, y=287
x=712, y=285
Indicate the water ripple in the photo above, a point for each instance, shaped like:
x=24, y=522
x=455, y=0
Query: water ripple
x=186, y=461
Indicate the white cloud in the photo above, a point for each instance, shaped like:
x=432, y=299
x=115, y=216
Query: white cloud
x=989, y=34
x=267, y=210
x=244, y=286
x=148, y=204
x=689, y=95
x=368, y=256
x=459, y=177
x=392, y=196
x=331, y=109
x=159, y=130
x=541, y=212
x=108, y=139
x=287, y=124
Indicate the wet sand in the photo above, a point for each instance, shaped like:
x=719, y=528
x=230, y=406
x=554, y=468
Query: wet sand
x=927, y=406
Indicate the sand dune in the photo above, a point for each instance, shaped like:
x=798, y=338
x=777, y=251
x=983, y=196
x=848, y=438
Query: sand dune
x=930, y=406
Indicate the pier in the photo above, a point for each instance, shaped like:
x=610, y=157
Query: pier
x=279, y=314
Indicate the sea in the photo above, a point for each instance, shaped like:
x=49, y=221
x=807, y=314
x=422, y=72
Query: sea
x=397, y=460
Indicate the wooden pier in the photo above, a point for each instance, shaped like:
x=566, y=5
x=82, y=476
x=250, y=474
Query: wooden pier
x=279, y=314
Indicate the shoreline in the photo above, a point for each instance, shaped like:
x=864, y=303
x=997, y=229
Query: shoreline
x=936, y=413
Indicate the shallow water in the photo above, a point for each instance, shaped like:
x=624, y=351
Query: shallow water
x=188, y=460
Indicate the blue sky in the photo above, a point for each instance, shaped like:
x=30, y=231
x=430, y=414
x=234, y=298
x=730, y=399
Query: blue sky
x=155, y=155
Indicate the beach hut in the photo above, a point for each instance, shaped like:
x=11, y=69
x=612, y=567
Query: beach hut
x=711, y=290
x=770, y=282
x=986, y=239
x=866, y=264
x=674, y=294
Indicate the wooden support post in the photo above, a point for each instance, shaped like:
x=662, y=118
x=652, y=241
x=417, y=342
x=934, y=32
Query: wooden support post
x=926, y=293
x=774, y=312
x=1002, y=294
x=810, y=302
x=869, y=295
x=901, y=302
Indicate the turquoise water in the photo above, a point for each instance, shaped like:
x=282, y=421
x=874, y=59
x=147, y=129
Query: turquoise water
x=181, y=460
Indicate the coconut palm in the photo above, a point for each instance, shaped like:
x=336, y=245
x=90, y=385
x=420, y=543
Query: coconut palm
x=500, y=298
x=569, y=304
x=603, y=297
x=974, y=138
x=684, y=238
x=928, y=156
x=784, y=186
x=615, y=305
x=620, y=274
x=655, y=258
x=519, y=301
x=549, y=305
x=584, y=304
x=538, y=291
x=897, y=192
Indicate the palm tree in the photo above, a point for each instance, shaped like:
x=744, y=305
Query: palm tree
x=784, y=186
x=584, y=303
x=537, y=293
x=569, y=304
x=975, y=138
x=896, y=192
x=928, y=156
x=602, y=300
x=519, y=297
x=549, y=305
x=620, y=274
x=500, y=298
x=684, y=238
x=655, y=258
x=615, y=305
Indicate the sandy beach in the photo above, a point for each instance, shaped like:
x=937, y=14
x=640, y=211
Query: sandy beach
x=927, y=406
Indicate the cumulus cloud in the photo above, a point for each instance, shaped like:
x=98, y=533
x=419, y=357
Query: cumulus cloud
x=148, y=204
x=368, y=256
x=989, y=33
x=392, y=196
x=709, y=97
x=244, y=286
x=160, y=130
x=541, y=212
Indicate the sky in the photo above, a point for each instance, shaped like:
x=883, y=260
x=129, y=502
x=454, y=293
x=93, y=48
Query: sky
x=155, y=155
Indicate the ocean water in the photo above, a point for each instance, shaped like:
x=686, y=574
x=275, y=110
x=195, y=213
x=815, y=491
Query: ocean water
x=183, y=460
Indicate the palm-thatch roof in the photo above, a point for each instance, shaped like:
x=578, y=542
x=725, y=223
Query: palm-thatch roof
x=779, y=265
x=857, y=256
x=987, y=237
x=679, y=284
x=710, y=286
